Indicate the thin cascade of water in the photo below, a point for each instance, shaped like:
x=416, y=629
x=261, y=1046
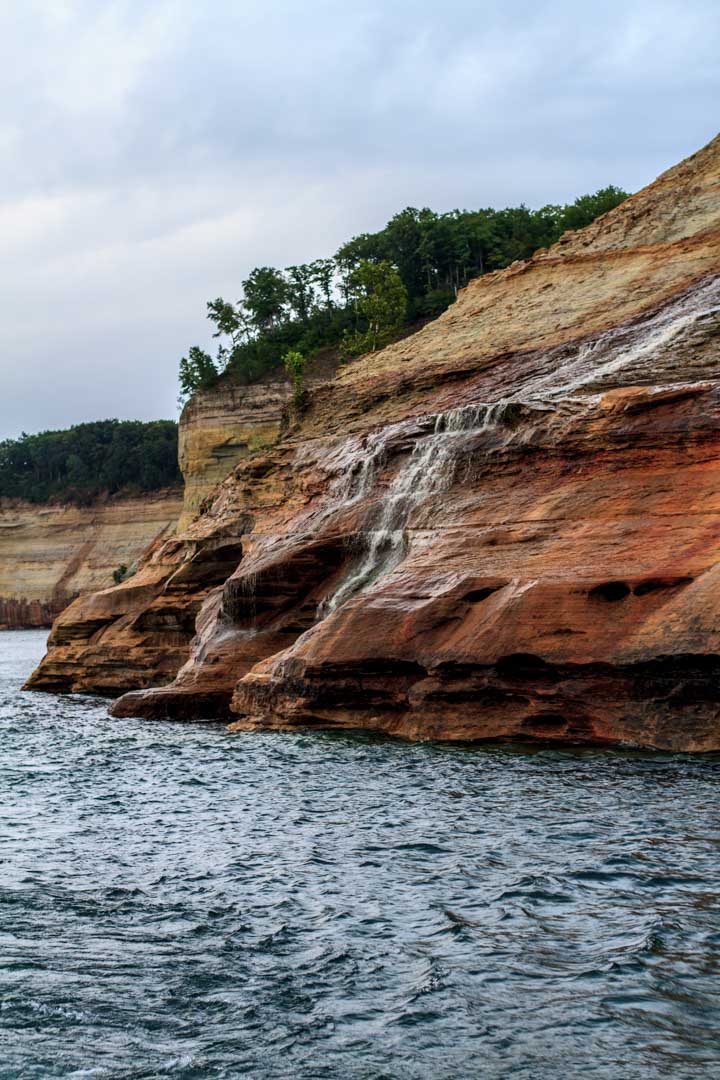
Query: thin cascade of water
x=358, y=468
x=430, y=469
x=433, y=462
x=627, y=347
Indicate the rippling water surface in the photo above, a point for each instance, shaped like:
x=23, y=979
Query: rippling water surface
x=176, y=901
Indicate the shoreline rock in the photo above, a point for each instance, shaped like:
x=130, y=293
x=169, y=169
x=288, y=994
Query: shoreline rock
x=504, y=526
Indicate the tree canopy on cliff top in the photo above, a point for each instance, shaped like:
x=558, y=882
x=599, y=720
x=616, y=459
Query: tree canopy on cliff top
x=88, y=460
x=324, y=303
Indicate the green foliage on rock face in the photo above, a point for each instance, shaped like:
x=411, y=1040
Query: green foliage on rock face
x=123, y=572
x=88, y=460
x=311, y=306
x=294, y=363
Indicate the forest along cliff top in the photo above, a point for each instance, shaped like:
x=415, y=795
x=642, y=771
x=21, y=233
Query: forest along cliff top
x=504, y=526
x=642, y=252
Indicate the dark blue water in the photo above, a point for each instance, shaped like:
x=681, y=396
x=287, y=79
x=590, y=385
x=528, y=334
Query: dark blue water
x=179, y=902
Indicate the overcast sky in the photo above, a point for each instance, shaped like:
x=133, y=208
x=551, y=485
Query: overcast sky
x=153, y=151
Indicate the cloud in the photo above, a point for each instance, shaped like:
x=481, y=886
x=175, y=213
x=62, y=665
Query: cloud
x=153, y=152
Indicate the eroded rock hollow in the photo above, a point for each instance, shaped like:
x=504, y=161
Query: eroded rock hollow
x=504, y=526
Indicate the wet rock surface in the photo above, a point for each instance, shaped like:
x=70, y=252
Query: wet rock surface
x=506, y=525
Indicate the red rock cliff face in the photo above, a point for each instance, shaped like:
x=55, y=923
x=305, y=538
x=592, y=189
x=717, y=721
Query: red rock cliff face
x=505, y=526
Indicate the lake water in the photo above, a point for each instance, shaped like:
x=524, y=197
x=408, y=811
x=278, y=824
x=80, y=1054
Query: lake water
x=180, y=902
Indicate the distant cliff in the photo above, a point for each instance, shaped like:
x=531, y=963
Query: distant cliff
x=504, y=526
x=49, y=554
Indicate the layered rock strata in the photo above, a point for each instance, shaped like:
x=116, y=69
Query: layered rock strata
x=219, y=428
x=502, y=527
x=50, y=554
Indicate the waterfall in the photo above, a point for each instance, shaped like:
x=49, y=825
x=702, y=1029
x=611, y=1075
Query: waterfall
x=638, y=349
x=630, y=348
x=430, y=469
x=358, y=466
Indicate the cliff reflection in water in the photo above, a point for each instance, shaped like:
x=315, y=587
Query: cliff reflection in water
x=177, y=901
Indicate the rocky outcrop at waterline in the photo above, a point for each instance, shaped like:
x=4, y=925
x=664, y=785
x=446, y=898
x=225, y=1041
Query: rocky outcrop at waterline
x=49, y=554
x=504, y=526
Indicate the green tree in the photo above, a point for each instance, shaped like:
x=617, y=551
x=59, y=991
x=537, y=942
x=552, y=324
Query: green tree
x=198, y=371
x=336, y=303
x=588, y=207
x=300, y=290
x=403, y=245
x=230, y=320
x=380, y=299
x=266, y=294
x=102, y=457
x=368, y=247
x=323, y=271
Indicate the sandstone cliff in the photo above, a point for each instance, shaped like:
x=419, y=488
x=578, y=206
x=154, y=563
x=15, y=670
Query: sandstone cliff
x=220, y=427
x=504, y=526
x=50, y=554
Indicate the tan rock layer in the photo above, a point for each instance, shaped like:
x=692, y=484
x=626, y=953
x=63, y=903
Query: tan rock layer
x=51, y=554
x=221, y=427
x=504, y=526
